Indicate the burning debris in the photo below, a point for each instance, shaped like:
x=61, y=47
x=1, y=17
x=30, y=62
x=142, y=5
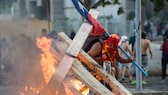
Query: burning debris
x=35, y=64
x=49, y=59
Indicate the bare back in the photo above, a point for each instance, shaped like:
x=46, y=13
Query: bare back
x=145, y=44
x=95, y=52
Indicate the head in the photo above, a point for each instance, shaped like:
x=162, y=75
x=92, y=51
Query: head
x=44, y=32
x=143, y=35
x=124, y=38
x=113, y=40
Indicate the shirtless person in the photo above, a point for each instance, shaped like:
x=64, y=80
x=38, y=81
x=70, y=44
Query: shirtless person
x=145, y=46
x=122, y=67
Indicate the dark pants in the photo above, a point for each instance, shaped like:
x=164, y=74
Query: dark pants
x=164, y=65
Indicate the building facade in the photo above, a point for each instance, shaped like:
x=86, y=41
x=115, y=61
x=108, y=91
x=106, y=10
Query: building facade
x=64, y=16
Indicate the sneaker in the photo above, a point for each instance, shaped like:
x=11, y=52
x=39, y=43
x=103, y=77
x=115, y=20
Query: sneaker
x=133, y=82
x=144, y=82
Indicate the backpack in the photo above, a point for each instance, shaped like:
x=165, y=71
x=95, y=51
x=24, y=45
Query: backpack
x=165, y=46
x=90, y=41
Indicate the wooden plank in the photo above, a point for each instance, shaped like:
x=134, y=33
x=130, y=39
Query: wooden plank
x=79, y=39
x=68, y=59
x=70, y=86
x=81, y=36
x=88, y=79
x=118, y=88
x=62, y=90
x=85, y=77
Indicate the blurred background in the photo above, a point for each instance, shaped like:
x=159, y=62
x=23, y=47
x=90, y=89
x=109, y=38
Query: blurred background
x=22, y=21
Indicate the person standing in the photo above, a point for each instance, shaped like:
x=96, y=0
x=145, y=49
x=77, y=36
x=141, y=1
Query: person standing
x=72, y=35
x=159, y=29
x=44, y=33
x=145, y=46
x=123, y=67
x=164, y=48
x=148, y=29
x=132, y=40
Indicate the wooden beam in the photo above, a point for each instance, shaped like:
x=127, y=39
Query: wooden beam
x=89, y=80
x=81, y=36
x=118, y=88
x=72, y=51
x=71, y=54
x=82, y=74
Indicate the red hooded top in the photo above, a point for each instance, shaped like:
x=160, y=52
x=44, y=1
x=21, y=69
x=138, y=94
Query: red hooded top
x=110, y=48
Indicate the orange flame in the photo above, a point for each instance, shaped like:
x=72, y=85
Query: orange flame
x=48, y=59
x=80, y=86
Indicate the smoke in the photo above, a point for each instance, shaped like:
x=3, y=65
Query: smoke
x=19, y=54
x=22, y=62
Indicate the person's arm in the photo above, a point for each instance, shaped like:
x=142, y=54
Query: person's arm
x=134, y=50
x=130, y=52
x=150, y=50
x=122, y=60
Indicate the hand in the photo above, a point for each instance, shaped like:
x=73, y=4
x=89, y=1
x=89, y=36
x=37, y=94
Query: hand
x=130, y=59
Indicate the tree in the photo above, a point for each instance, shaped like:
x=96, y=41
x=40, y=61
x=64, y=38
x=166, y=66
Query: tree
x=158, y=4
x=103, y=3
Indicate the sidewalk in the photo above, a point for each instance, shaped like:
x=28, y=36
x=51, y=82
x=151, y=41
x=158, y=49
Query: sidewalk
x=154, y=65
x=154, y=86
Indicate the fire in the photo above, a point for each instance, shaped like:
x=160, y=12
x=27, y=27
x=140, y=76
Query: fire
x=48, y=59
x=80, y=86
x=47, y=63
x=30, y=90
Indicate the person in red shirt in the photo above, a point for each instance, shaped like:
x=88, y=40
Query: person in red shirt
x=110, y=54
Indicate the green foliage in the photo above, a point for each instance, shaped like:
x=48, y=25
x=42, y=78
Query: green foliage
x=120, y=10
x=159, y=5
x=131, y=15
x=116, y=2
x=102, y=3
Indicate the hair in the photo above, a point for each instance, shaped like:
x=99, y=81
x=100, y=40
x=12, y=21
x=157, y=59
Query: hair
x=143, y=35
x=44, y=30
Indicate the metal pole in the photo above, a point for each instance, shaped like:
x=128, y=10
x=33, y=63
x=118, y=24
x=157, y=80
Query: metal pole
x=52, y=13
x=48, y=14
x=138, y=43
